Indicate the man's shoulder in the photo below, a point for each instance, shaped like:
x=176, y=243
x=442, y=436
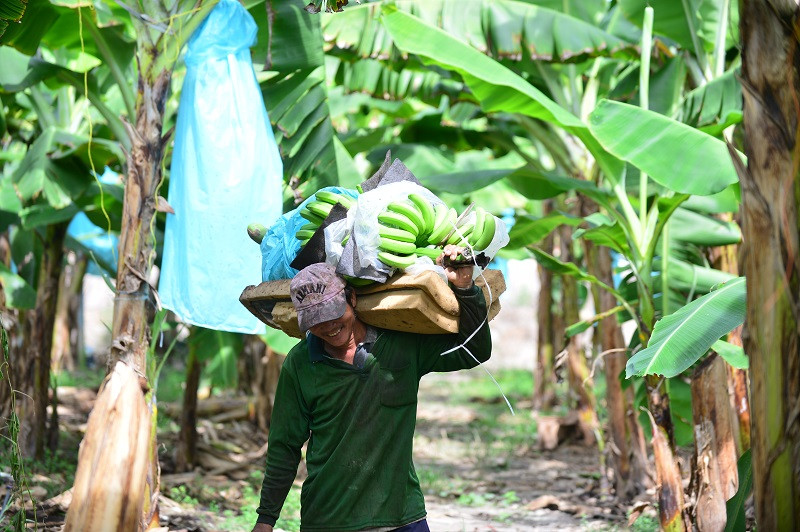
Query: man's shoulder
x=298, y=354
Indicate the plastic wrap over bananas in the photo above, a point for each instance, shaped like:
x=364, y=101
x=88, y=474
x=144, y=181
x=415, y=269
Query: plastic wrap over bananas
x=283, y=240
x=394, y=223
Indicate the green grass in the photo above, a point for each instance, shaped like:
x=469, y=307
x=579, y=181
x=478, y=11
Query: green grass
x=81, y=378
x=246, y=517
x=498, y=431
x=516, y=384
x=645, y=523
x=434, y=481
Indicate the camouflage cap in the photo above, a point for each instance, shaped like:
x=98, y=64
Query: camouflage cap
x=318, y=295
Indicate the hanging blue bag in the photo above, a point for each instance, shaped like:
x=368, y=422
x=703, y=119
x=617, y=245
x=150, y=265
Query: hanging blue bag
x=226, y=172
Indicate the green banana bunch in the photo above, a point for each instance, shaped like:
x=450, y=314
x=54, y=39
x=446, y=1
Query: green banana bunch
x=317, y=210
x=483, y=231
x=404, y=227
x=415, y=227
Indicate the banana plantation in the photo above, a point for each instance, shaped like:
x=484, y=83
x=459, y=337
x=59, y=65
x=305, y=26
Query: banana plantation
x=636, y=160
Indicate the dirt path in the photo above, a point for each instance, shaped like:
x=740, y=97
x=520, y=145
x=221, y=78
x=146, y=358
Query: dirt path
x=481, y=470
x=479, y=467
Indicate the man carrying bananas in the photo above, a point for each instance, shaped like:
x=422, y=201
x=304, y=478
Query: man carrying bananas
x=350, y=390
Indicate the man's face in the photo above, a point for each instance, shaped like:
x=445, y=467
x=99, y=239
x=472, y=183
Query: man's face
x=336, y=332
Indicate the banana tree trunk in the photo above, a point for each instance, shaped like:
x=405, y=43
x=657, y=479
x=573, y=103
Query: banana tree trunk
x=114, y=460
x=156, y=53
x=715, y=473
x=69, y=293
x=32, y=375
x=543, y=377
x=186, y=453
x=771, y=253
x=577, y=368
x=626, y=447
x=725, y=259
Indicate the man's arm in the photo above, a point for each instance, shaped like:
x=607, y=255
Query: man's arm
x=472, y=319
x=289, y=430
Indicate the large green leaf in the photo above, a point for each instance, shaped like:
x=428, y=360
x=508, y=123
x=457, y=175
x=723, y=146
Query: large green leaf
x=695, y=228
x=725, y=201
x=497, y=87
x=715, y=105
x=681, y=338
x=26, y=34
x=693, y=278
x=465, y=182
x=682, y=25
x=13, y=66
x=610, y=235
x=528, y=230
x=296, y=97
x=675, y=155
x=39, y=70
x=543, y=185
x=42, y=214
x=501, y=28
x=30, y=176
x=562, y=268
x=18, y=293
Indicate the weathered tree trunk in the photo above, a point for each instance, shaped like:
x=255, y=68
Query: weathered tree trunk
x=543, y=377
x=114, y=458
x=771, y=253
x=34, y=377
x=715, y=476
x=186, y=453
x=133, y=306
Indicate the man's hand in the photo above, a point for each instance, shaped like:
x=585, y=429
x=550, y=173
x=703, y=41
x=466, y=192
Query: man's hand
x=262, y=527
x=460, y=277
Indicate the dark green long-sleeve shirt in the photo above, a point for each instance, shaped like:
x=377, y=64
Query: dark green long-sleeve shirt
x=360, y=425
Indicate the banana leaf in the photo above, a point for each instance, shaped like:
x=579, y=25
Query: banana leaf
x=499, y=28
x=725, y=201
x=693, y=278
x=37, y=16
x=692, y=227
x=684, y=21
x=681, y=338
x=529, y=230
x=713, y=106
x=675, y=155
x=735, y=507
x=497, y=88
x=732, y=354
x=18, y=293
x=290, y=43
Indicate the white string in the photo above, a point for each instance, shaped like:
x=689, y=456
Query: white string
x=484, y=322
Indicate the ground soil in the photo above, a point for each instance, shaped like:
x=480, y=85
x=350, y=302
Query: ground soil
x=480, y=468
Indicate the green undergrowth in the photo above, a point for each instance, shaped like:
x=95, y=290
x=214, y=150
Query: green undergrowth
x=495, y=431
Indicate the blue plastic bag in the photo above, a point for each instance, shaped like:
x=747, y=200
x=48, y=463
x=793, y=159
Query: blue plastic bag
x=226, y=173
x=279, y=246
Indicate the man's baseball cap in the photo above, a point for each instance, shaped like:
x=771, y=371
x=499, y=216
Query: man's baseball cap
x=318, y=295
